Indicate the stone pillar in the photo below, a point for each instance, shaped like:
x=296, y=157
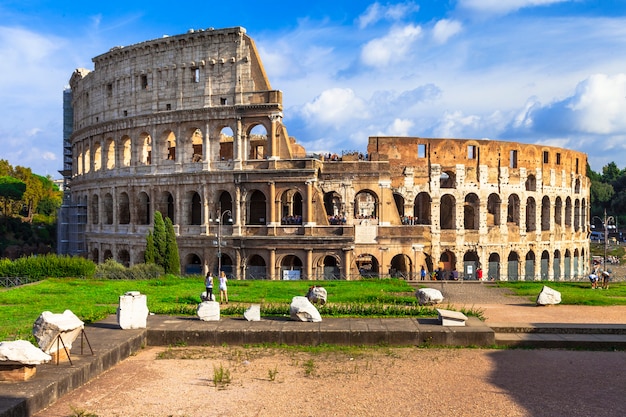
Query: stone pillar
x=206, y=215
x=272, y=152
x=309, y=263
x=347, y=262
x=308, y=207
x=272, y=264
x=237, y=145
x=272, y=198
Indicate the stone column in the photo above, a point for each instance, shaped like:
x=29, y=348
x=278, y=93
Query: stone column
x=308, y=207
x=347, y=262
x=272, y=198
x=272, y=264
x=309, y=263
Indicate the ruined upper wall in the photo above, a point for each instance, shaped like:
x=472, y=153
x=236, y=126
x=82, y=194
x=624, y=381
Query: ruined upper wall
x=199, y=69
x=499, y=159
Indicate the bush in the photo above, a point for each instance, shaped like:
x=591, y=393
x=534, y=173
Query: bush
x=47, y=266
x=112, y=269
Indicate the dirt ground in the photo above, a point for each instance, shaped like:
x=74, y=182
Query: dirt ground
x=355, y=382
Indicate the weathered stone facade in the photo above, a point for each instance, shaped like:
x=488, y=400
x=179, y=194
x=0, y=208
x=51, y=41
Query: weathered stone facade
x=189, y=126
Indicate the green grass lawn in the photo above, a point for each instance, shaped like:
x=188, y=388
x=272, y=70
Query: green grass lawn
x=93, y=300
x=574, y=293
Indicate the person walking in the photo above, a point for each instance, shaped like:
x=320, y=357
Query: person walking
x=423, y=273
x=223, y=287
x=208, y=284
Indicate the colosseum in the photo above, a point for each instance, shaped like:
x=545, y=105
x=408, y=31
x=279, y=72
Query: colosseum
x=189, y=126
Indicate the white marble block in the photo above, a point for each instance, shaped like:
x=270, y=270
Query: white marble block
x=253, y=313
x=209, y=311
x=132, y=312
x=301, y=309
x=48, y=327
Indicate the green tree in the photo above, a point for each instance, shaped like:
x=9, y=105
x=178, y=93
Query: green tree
x=11, y=190
x=151, y=253
x=160, y=239
x=172, y=259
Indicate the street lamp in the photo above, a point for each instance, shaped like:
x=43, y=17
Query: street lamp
x=606, y=234
x=219, y=219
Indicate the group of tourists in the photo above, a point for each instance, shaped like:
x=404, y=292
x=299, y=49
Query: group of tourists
x=223, y=281
x=600, y=277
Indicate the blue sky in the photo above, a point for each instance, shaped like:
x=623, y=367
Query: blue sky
x=535, y=71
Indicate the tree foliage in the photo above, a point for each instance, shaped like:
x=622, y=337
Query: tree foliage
x=161, y=245
x=608, y=192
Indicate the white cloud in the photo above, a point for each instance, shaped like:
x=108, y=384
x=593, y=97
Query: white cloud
x=375, y=12
x=335, y=106
x=399, y=127
x=600, y=103
x=392, y=48
x=504, y=6
x=444, y=29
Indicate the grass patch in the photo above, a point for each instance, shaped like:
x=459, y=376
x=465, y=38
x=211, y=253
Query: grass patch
x=572, y=293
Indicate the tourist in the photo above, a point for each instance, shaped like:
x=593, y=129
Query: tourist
x=223, y=287
x=423, y=273
x=593, y=277
x=606, y=277
x=208, y=283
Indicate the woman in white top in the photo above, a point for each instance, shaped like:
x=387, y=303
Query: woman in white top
x=223, y=288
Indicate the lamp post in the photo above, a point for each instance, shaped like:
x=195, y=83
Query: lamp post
x=606, y=235
x=219, y=219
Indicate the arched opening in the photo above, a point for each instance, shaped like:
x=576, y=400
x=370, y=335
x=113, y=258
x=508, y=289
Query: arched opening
x=447, y=212
x=558, y=211
x=291, y=207
x=95, y=255
x=226, y=144
x=447, y=180
x=447, y=263
x=256, y=268
x=225, y=203
x=95, y=209
x=196, y=145
x=110, y=153
x=166, y=205
x=334, y=209
x=513, y=266
x=97, y=156
x=529, y=266
x=367, y=265
x=493, y=272
x=145, y=149
x=577, y=215
x=471, y=264
x=556, y=265
x=168, y=139
x=568, y=212
x=87, y=160
x=257, y=139
x=365, y=205
x=291, y=268
x=493, y=210
x=545, y=213
x=143, y=209
x=513, y=210
x=124, y=208
x=195, y=214
x=257, y=208
x=126, y=151
x=227, y=265
x=401, y=267
x=471, y=211
x=331, y=268
x=531, y=215
x=123, y=257
x=193, y=264
x=531, y=183
x=421, y=208
x=567, y=265
x=108, y=209
x=107, y=255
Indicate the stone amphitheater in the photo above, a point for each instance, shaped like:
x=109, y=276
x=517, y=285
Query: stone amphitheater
x=190, y=126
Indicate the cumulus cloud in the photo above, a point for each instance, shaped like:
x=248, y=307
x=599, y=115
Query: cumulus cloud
x=394, y=12
x=597, y=107
x=504, y=6
x=335, y=106
x=444, y=29
x=393, y=47
x=399, y=127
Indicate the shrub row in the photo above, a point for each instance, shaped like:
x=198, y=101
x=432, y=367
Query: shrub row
x=112, y=269
x=47, y=266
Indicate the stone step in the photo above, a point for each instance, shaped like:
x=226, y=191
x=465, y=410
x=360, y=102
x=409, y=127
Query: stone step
x=562, y=341
x=559, y=328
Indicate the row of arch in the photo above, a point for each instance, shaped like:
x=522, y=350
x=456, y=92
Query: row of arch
x=554, y=265
x=108, y=154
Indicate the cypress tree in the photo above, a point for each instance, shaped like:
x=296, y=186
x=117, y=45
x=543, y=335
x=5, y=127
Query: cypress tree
x=172, y=259
x=160, y=240
x=151, y=253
